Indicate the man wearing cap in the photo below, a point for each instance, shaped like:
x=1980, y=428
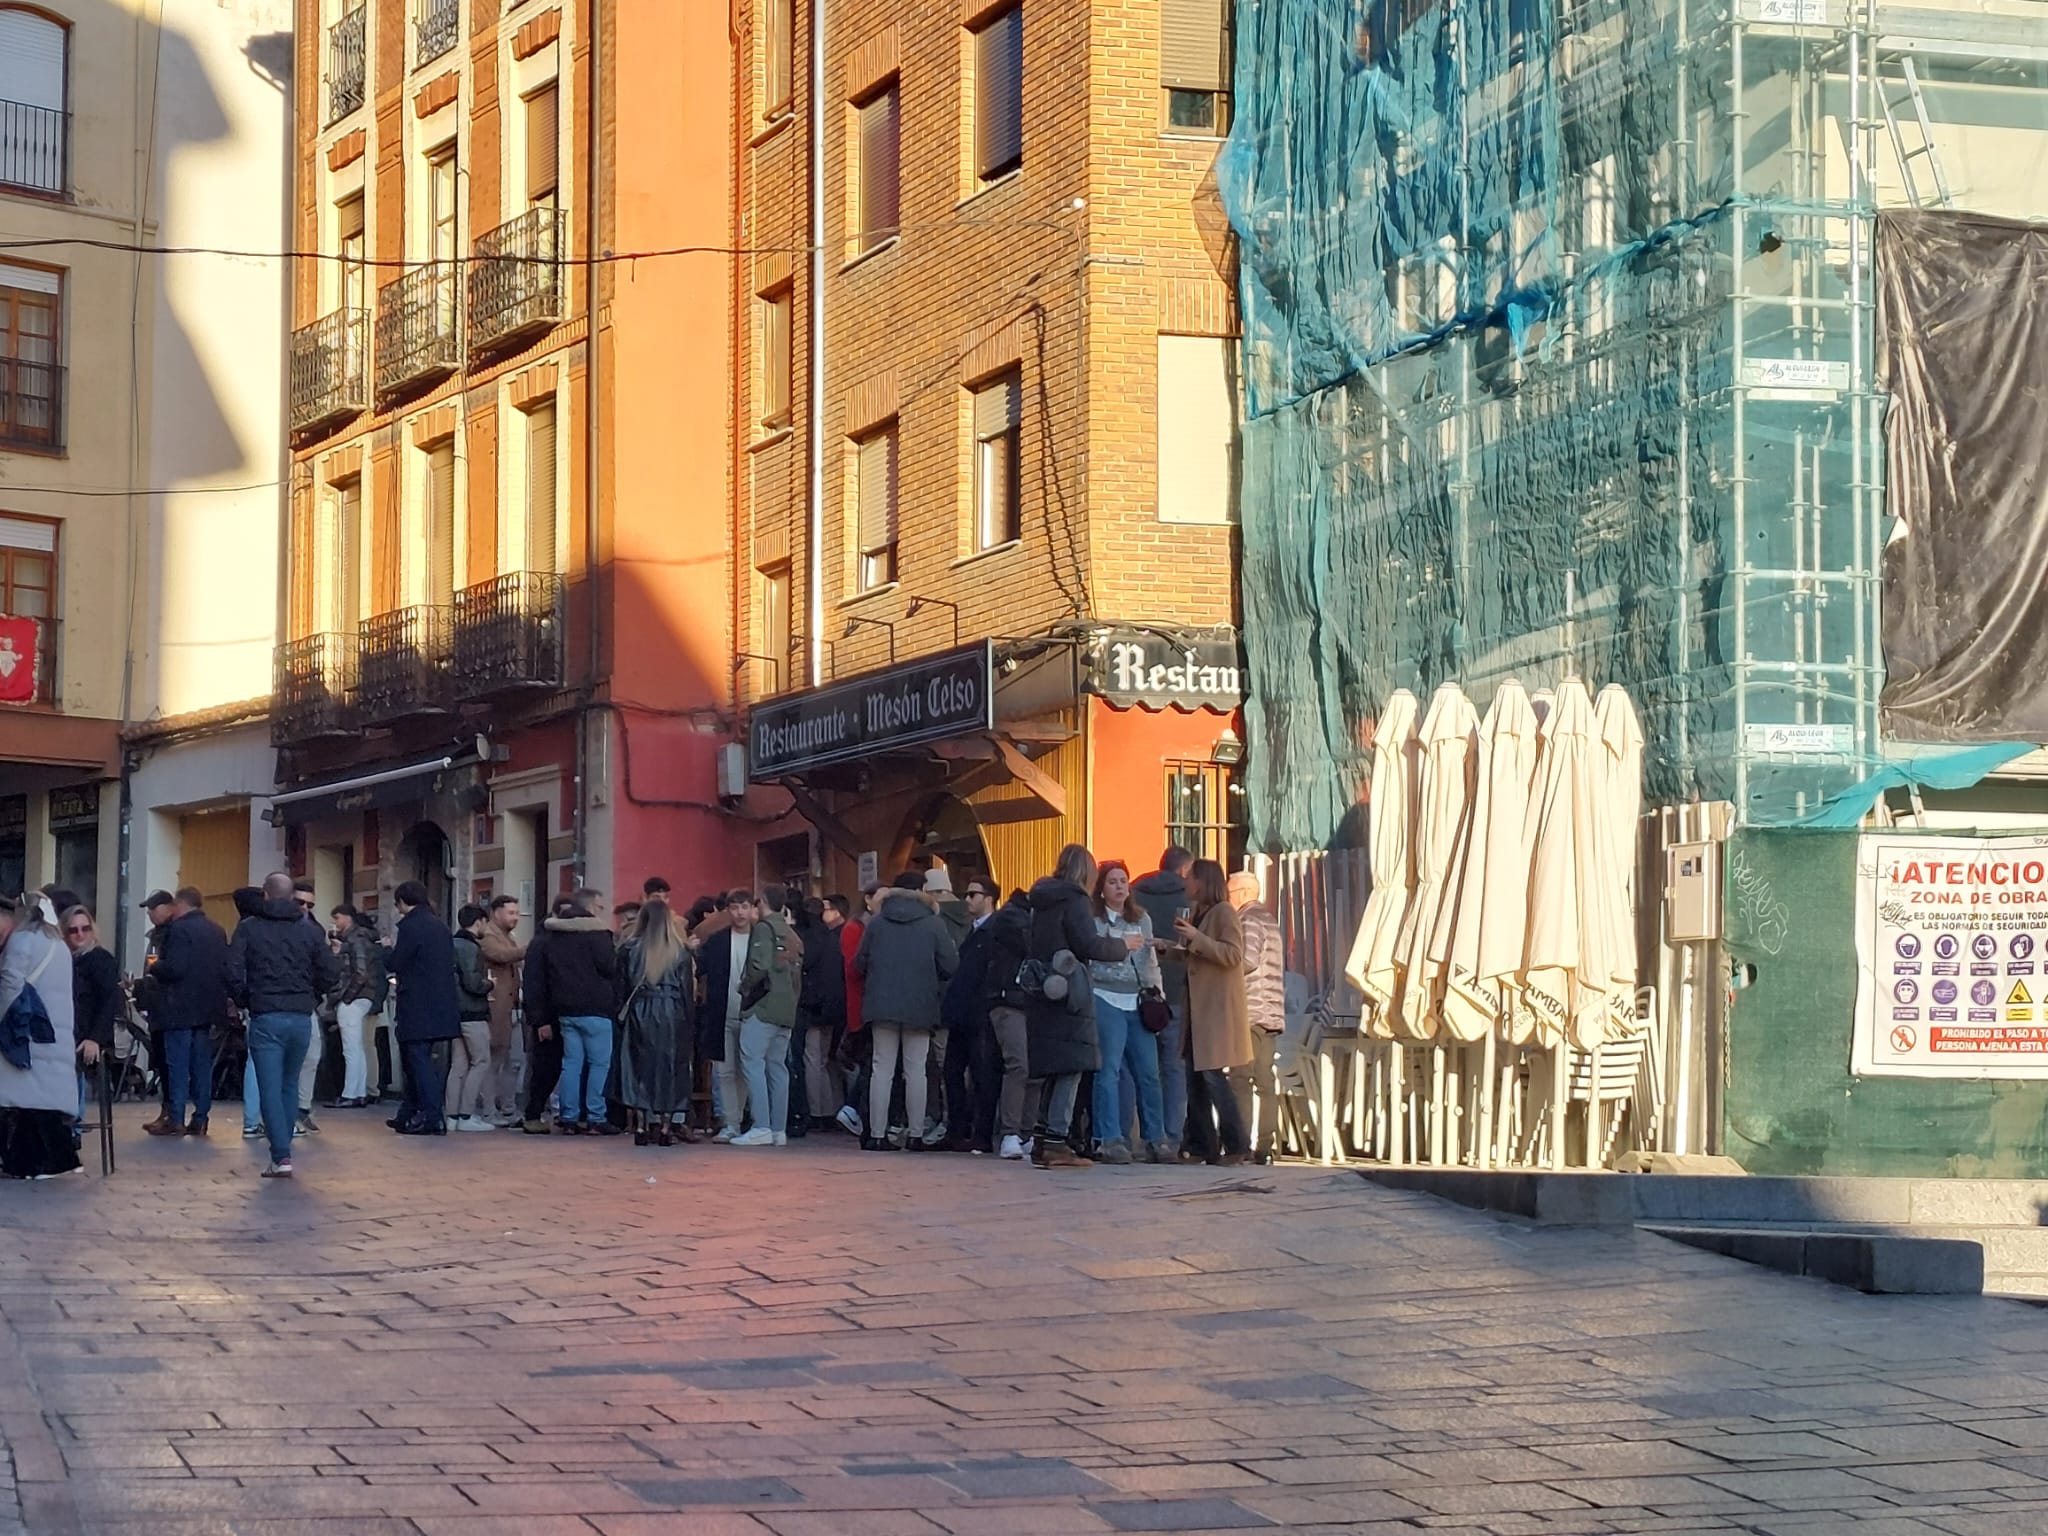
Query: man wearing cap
x=148, y=995
x=192, y=976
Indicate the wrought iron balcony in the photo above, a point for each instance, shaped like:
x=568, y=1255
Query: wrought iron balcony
x=508, y=634
x=34, y=146
x=31, y=405
x=517, y=285
x=330, y=369
x=419, y=329
x=348, y=60
x=402, y=665
x=312, y=688
x=436, y=26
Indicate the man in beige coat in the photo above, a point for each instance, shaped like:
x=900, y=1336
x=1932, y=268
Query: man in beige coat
x=502, y=955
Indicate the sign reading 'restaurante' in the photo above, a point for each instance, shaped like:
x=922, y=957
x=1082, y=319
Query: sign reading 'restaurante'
x=928, y=700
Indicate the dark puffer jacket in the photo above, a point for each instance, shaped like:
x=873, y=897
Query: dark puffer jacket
x=1164, y=897
x=190, y=977
x=569, y=972
x=905, y=956
x=1061, y=1038
x=279, y=961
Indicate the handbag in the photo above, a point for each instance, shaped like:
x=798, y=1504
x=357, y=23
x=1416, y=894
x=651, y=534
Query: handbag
x=1153, y=1012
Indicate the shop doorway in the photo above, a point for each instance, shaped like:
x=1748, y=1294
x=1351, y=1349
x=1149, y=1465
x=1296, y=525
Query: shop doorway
x=426, y=855
x=213, y=854
x=784, y=861
x=942, y=831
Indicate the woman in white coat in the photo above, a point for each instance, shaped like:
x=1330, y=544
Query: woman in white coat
x=38, y=1048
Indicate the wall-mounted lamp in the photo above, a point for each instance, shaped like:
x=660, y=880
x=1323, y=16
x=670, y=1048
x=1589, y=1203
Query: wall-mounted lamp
x=1229, y=750
x=853, y=623
x=917, y=603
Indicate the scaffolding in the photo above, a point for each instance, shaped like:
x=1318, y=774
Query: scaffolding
x=1559, y=340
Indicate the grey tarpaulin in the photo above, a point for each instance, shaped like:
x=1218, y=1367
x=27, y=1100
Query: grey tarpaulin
x=1963, y=349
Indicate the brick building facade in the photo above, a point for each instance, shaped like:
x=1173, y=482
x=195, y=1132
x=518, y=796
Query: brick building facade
x=1023, y=430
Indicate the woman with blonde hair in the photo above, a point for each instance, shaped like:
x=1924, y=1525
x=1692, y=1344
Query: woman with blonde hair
x=657, y=990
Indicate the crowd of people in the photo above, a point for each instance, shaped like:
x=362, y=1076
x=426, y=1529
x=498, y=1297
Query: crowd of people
x=1091, y=1018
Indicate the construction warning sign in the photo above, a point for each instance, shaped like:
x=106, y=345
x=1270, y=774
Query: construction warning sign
x=1949, y=932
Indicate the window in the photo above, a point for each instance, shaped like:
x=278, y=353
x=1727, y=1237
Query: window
x=773, y=640
x=874, y=500
x=345, y=565
x=1194, y=65
x=998, y=512
x=349, y=243
x=437, y=27
x=773, y=310
x=31, y=377
x=1205, y=811
x=28, y=567
x=33, y=139
x=876, y=210
x=543, y=146
x=441, y=210
x=348, y=62
x=541, y=554
x=999, y=95
x=1197, y=430
x=440, y=524
x=778, y=32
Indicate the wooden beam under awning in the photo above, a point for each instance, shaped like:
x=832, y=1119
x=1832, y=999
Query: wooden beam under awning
x=837, y=833
x=1048, y=789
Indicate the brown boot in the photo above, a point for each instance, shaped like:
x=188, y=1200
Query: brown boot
x=163, y=1125
x=1059, y=1155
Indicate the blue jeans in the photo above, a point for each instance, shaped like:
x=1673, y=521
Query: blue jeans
x=277, y=1050
x=1126, y=1046
x=252, y=1095
x=188, y=1065
x=586, y=1062
x=1173, y=1078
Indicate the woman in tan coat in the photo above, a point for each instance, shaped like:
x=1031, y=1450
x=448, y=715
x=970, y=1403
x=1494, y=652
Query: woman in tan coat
x=1219, y=1018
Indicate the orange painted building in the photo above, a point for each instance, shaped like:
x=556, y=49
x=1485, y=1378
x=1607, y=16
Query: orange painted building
x=508, y=594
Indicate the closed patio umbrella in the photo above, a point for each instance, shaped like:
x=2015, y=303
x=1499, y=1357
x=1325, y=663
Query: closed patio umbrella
x=1561, y=860
x=1610, y=918
x=1490, y=921
x=1396, y=763
x=1450, y=763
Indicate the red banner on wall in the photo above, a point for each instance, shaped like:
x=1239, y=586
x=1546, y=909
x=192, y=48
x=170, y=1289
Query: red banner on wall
x=20, y=649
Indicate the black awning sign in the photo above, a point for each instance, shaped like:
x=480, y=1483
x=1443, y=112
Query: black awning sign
x=1159, y=671
x=929, y=700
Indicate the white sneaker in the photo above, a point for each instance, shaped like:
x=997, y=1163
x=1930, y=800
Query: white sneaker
x=474, y=1123
x=782, y=1138
x=726, y=1135
x=759, y=1136
x=849, y=1117
x=1013, y=1148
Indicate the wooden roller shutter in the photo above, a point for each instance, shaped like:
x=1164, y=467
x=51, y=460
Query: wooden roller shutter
x=1191, y=50
x=999, y=95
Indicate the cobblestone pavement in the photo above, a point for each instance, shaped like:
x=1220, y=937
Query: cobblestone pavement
x=502, y=1336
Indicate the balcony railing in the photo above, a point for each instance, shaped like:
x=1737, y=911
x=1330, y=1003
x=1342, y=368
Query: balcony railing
x=419, y=329
x=402, y=665
x=508, y=634
x=330, y=369
x=436, y=26
x=34, y=143
x=313, y=688
x=31, y=405
x=348, y=58
x=516, y=283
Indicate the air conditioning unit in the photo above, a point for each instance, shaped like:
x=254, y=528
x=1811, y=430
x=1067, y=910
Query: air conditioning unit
x=732, y=771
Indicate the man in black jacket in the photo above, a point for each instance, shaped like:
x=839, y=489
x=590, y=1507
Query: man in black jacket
x=569, y=992
x=278, y=969
x=160, y=907
x=191, y=974
x=1165, y=897
x=971, y=1050
x=421, y=956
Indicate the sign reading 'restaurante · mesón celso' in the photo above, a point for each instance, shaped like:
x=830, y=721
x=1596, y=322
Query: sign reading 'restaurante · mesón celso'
x=926, y=700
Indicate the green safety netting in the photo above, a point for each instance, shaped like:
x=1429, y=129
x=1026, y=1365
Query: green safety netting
x=1557, y=358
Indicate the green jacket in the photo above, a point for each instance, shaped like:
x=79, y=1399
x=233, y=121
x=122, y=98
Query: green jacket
x=774, y=951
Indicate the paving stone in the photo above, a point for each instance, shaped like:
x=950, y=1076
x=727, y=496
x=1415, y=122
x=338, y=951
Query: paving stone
x=1181, y=1515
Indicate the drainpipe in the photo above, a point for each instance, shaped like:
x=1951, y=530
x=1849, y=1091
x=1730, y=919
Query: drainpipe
x=814, y=626
x=593, y=224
